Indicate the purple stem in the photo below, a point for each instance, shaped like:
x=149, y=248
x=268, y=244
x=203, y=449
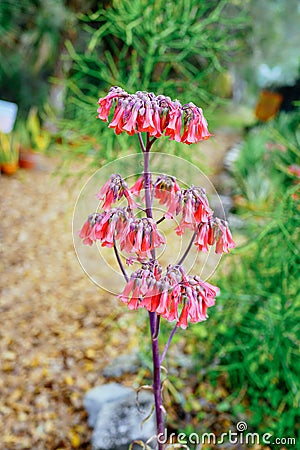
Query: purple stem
x=157, y=382
x=120, y=262
x=187, y=249
x=157, y=327
x=147, y=183
x=141, y=142
x=153, y=318
x=168, y=344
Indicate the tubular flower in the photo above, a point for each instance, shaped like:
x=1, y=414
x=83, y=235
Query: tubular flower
x=141, y=287
x=105, y=103
x=197, y=296
x=173, y=129
x=214, y=231
x=146, y=112
x=167, y=190
x=175, y=296
x=138, y=186
x=105, y=227
x=87, y=231
x=114, y=189
x=195, y=125
x=224, y=239
x=195, y=209
x=205, y=236
x=141, y=236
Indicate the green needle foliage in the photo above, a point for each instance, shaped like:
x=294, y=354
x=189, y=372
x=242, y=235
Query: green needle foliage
x=173, y=48
x=255, y=334
x=158, y=45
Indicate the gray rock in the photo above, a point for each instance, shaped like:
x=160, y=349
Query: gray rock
x=225, y=183
x=221, y=204
x=232, y=156
x=122, y=364
x=101, y=396
x=236, y=222
x=116, y=418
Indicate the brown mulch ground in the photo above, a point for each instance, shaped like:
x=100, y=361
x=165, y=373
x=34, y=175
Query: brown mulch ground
x=57, y=327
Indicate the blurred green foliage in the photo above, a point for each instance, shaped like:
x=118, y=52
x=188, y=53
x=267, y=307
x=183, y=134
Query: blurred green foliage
x=270, y=64
x=257, y=326
x=174, y=48
x=253, y=333
x=31, y=35
x=62, y=55
x=262, y=168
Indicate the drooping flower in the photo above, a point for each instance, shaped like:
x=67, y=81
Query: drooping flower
x=214, y=231
x=114, y=189
x=173, y=129
x=138, y=186
x=195, y=209
x=174, y=296
x=223, y=237
x=146, y=112
x=141, y=236
x=105, y=103
x=145, y=122
x=205, y=236
x=195, y=125
x=198, y=296
x=87, y=231
x=105, y=227
x=168, y=192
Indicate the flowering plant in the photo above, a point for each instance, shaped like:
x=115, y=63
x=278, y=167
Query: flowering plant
x=172, y=293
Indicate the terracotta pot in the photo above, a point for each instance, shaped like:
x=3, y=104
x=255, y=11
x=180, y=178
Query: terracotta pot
x=9, y=168
x=27, y=159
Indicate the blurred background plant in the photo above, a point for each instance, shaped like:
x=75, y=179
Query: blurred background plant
x=246, y=365
x=179, y=49
x=9, y=153
x=31, y=35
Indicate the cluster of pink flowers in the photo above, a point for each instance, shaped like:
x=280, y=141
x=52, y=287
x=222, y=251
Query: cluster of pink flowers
x=140, y=236
x=195, y=209
x=146, y=112
x=113, y=190
x=174, y=296
x=214, y=231
x=105, y=227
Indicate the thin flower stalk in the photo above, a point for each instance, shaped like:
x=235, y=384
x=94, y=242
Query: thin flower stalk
x=166, y=293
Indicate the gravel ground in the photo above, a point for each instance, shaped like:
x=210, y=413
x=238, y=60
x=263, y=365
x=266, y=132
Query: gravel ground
x=56, y=332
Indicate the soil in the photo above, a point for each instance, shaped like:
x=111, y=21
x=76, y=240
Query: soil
x=57, y=328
